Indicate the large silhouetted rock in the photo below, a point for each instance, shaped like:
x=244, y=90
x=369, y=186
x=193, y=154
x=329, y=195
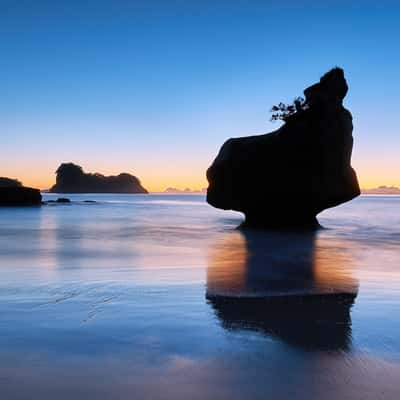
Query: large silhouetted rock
x=12, y=193
x=290, y=175
x=72, y=179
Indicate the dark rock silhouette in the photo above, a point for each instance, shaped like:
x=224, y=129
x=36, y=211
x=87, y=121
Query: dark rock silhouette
x=287, y=177
x=12, y=193
x=72, y=179
x=286, y=285
x=8, y=182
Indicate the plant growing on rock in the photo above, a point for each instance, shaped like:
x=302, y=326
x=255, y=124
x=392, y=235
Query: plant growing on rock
x=283, y=111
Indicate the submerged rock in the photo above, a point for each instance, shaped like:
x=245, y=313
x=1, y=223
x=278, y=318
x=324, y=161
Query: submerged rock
x=19, y=196
x=287, y=177
x=72, y=179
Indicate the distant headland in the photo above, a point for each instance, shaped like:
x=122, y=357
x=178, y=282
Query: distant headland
x=72, y=179
x=382, y=190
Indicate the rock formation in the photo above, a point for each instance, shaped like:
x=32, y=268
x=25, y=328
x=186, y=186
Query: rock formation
x=72, y=179
x=9, y=182
x=62, y=200
x=287, y=177
x=12, y=193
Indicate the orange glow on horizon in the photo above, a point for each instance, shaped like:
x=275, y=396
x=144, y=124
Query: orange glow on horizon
x=44, y=182
x=153, y=185
x=159, y=178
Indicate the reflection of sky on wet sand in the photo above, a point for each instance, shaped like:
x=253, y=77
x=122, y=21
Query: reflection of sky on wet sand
x=285, y=376
x=110, y=301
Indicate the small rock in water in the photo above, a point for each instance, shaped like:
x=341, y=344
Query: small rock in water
x=20, y=196
x=59, y=200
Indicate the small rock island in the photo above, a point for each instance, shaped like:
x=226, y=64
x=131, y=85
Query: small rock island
x=72, y=179
x=13, y=193
x=285, y=178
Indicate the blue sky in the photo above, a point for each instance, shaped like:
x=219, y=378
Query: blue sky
x=155, y=87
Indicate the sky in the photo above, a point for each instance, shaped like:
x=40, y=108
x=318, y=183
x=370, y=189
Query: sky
x=154, y=88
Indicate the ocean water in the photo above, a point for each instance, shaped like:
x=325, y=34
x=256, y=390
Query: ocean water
x=161, y=297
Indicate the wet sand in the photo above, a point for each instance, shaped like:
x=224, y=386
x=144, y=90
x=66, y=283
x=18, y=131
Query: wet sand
x=160, y=297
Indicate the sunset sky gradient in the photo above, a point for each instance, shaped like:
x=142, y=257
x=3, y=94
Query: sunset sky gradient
x=154, y=88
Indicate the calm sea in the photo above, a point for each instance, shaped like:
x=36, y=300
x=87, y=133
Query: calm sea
x=161, y=297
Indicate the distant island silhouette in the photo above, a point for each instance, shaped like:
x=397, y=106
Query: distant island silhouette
x=13, y=193
x=172, y=190
x=285, y=178
x=72, y=179
x=382, y=190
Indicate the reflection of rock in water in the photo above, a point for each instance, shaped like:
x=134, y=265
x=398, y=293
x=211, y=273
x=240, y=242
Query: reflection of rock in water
x=294, y=286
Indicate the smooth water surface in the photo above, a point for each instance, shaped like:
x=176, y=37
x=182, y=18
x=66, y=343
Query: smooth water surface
x=161, y=297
